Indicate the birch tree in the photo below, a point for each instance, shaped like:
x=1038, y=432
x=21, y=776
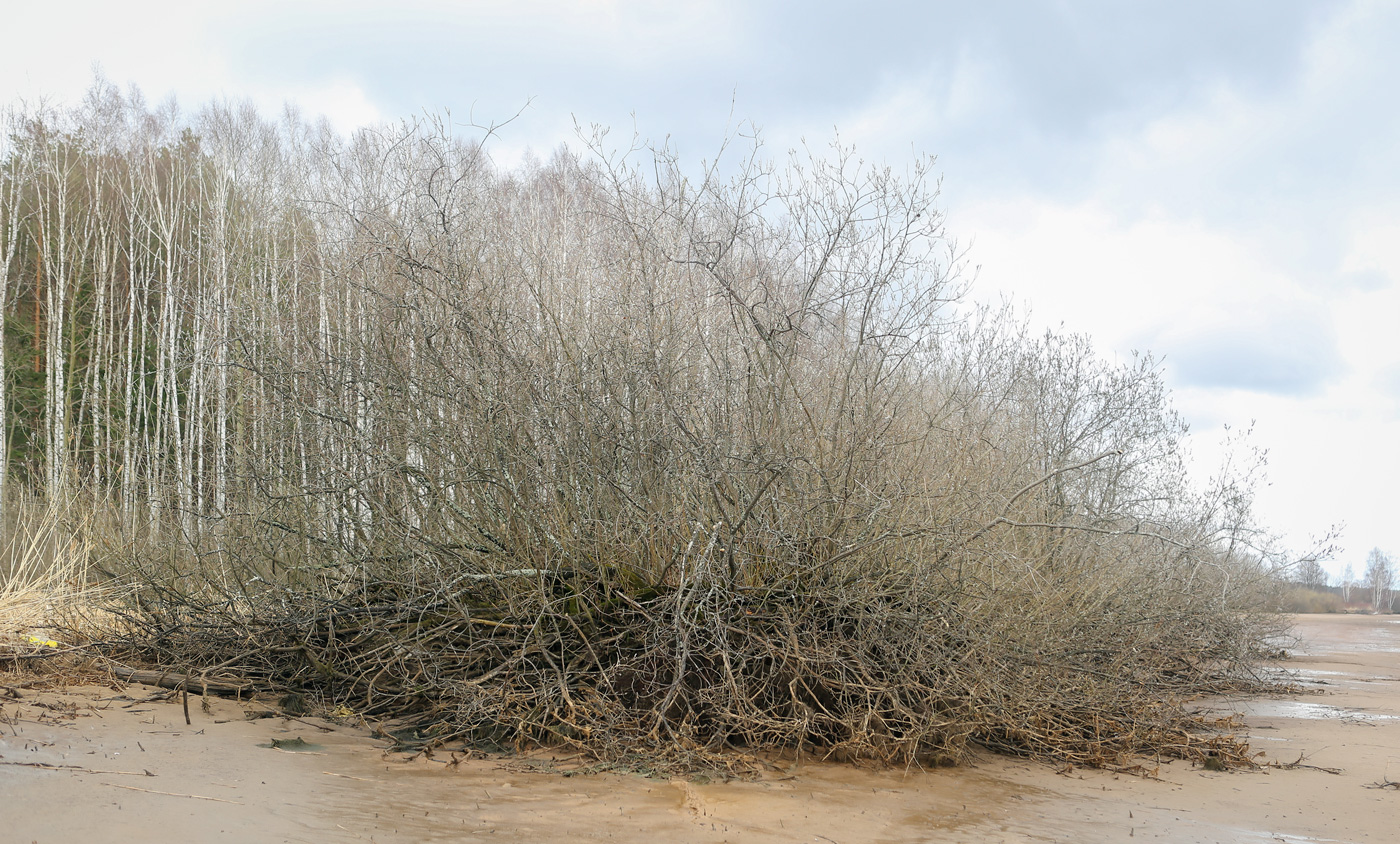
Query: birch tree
x=14, y=176
x=1378, y=579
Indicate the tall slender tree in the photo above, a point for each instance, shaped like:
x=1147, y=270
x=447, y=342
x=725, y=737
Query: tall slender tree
x=1379, y=577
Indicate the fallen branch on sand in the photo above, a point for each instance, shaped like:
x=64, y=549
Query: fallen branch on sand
x=173, y=680
x=173, y=794
x=77, y=768
x=1298, y=763
x=347, y=776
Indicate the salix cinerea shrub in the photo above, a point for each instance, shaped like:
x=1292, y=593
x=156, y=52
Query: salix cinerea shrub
x=617, y=453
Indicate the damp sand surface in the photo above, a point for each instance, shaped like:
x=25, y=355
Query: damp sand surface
x=100, y=764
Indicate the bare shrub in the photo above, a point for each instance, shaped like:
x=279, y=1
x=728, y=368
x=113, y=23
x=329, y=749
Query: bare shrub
x=616, y=454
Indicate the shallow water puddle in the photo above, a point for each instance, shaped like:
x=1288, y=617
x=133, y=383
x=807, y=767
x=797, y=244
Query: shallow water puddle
x=1309, y=711
x=1284, y=837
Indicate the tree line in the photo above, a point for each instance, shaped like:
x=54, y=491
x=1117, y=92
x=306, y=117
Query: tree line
x=1376, y=583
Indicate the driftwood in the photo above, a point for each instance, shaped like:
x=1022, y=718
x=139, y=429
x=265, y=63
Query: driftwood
x=177, y=680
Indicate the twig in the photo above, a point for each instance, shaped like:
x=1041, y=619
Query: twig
x=1298, y=763
x=173, y=794
x=347, y=776
x=320, y=727
x=77, y=768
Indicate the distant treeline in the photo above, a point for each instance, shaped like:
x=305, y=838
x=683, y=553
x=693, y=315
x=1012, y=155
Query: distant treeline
x=1373, y=590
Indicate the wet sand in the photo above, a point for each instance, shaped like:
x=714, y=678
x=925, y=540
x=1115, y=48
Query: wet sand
x=137, y=772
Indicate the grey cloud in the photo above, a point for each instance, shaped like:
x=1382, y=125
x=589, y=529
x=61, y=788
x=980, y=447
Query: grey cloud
x=1067, y=72
x=1065, y=77
x=1066, y=68
x=1388, y=382
x=1363, y=280
x=1282, y=354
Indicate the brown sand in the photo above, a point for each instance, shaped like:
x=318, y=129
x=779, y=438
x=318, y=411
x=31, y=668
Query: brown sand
x=218, y=780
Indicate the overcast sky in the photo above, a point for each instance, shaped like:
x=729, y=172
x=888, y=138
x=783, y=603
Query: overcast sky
x=1218, y=183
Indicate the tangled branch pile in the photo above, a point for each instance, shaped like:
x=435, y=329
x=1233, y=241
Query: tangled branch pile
x=608, y=452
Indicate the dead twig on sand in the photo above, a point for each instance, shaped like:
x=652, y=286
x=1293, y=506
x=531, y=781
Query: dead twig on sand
x=347, y=776
x=1298, y=763
x=80, y=769
x=1385, y=782
x=173, y=794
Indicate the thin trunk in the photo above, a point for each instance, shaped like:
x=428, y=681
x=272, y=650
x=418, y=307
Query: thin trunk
x=56, y=376
x=10, y=215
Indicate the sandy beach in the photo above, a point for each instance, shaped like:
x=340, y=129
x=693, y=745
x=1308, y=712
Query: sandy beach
x=119, y=763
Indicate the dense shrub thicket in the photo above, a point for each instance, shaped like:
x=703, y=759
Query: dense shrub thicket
x=609, y=451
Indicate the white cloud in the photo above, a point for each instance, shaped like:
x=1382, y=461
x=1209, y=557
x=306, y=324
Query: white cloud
x=1133, y=283
x=1244, y=342
x=1253, y=240
x=341, y=101
x=163, y=46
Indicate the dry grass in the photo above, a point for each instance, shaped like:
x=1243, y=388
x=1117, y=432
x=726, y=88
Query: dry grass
x=1300, y=599
x=50, y=596
x=41, y=573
